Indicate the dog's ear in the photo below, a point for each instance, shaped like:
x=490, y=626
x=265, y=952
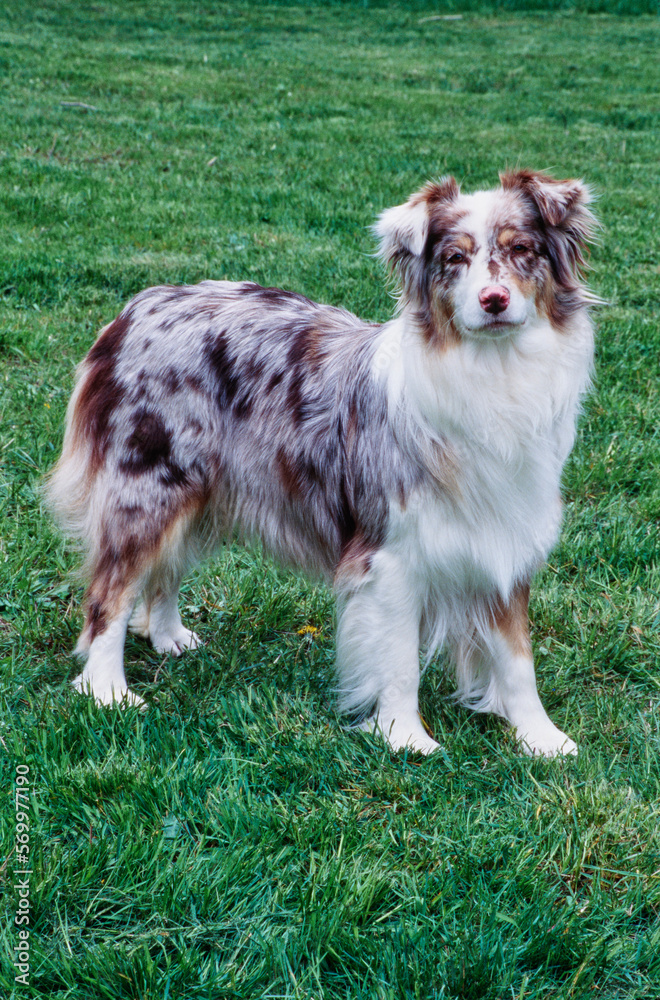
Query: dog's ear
x=562, y=207
x=403, y=231
x=559, y=203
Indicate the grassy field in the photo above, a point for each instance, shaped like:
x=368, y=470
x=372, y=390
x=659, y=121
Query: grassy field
x=234, y=840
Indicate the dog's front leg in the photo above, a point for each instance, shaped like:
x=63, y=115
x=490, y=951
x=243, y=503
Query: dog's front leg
x=378, y=629
x=513, y=682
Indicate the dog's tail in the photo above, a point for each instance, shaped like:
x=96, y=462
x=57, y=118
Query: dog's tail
x=77, y=489
x=71, y=487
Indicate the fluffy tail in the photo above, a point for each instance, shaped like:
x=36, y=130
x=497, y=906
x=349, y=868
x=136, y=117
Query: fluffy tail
x=71, y=485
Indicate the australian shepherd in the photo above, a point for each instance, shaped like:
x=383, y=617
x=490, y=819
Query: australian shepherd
x=416, y=463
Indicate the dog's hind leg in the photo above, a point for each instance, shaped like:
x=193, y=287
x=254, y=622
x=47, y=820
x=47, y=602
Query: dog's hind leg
x=134, y=556
x=135, y=580
x=378, y=635
x=157, y=615
x=115, y=583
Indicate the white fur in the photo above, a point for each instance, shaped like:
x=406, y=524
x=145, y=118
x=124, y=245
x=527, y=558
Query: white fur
x=103, y=674
x=408, y=222
x=504, y=405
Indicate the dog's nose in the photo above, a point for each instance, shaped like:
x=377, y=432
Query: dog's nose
x=494, y=299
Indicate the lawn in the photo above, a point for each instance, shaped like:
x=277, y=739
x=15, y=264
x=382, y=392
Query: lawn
x=235, y=840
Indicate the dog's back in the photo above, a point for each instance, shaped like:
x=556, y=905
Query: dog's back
x=228, y=406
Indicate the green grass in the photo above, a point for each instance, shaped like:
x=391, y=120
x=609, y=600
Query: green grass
x=234, y=840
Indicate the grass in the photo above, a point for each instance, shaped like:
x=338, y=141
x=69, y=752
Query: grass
x=234, y=840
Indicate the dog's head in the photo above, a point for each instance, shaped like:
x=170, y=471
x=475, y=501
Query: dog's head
x=484, y=265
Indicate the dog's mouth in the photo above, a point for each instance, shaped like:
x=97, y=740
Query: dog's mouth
x=495, y=326
x=492, y=323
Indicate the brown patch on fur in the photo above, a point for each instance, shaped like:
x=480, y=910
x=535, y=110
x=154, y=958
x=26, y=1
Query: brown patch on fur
x=494, y=268
x=446, y=189
x=129, y=548
x=274, y=381
x=272, y=296
x=252, y=372
x=290, y=475
x=304, y=354
x=149, y=447
x=172, y=380
x=294, y=396
x=511, y=619
x=305, y=345
x=243, y=405
x=234, y=383
x=96, y=620
x=110, y=339
x=116, y=566
x=527, y=285
x=101, y=392
x=506, y=236
x=355, y=561
x=150, y=444
x=437, y=325
x=463, y=242
x=443, y=467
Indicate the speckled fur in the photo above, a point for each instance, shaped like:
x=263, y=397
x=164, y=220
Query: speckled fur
x=415, y=463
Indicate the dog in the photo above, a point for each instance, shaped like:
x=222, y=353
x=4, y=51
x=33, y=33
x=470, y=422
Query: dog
x=415, y=463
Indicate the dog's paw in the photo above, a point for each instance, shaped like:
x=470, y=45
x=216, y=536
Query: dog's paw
x=546, y=741
x=420, y=744
x=177, y=642
x=114, y=697
x=406, y=734
x=139, y=621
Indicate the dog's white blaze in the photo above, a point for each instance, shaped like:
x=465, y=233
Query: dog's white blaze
x=469, y=315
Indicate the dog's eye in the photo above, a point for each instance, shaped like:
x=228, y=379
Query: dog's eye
x=456, y=258
x=520, y=248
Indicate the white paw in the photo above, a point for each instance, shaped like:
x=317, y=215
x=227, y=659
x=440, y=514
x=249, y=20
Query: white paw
x=402, y=734
x=422, y=744
x=177, y=642
x=139, y=621
x=546, y=741
x=116, y=697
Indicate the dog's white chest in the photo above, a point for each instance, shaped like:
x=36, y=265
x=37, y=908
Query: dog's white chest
x=497, y=527
x=506, y=424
